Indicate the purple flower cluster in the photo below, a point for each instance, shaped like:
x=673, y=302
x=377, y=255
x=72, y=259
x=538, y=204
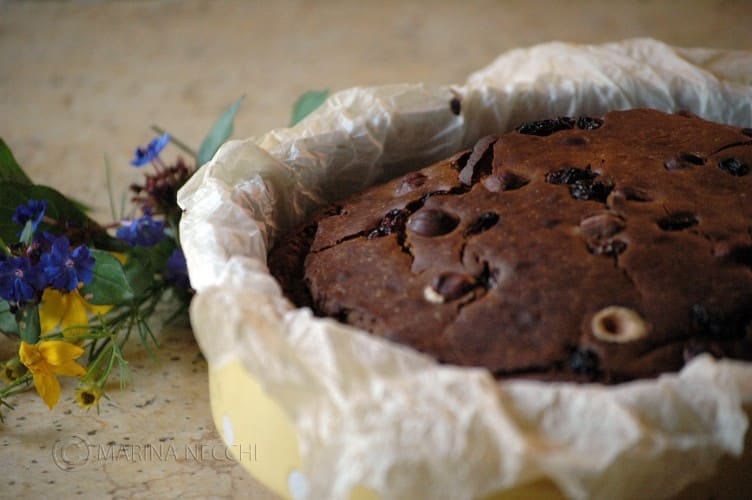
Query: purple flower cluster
x=33, y=211
x=150, y=152
x=176, y=272
x=49, y=263
x=143, y=232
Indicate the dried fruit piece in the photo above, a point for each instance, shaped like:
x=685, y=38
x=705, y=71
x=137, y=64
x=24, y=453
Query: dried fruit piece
x=432, y=222
x=733, y=166
x=618, y=324
x=546, y=127
x=570, y=175
x=589, y=123
x=590, y=190
x=392, y=222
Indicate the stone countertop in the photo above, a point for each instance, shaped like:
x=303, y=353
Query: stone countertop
x=81, y=81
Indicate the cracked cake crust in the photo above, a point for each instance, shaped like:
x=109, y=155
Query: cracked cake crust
x=570, y=249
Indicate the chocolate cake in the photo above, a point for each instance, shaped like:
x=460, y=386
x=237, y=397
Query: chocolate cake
x=583, y=249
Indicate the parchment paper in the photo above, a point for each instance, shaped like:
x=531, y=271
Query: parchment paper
x=372, y=413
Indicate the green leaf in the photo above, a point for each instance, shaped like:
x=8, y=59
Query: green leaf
x=28, y=324
x=218, y=133
x=109, y=286
x=7, y=319
x=28, y=233
x=59, y=207
x=307, y=104
x=10, y=170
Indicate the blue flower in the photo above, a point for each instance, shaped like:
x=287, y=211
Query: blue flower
x=144, y=232
x=33, y=211
x=64, y=269
x=150, y=152
x=19, y=280
x=176, y=272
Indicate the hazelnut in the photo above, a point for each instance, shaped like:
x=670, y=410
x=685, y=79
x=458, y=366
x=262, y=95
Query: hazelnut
x=618, y=324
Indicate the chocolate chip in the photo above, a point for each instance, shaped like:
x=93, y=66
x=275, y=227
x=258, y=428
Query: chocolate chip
x=504, y=181
x=392, y=222
x=588, y=123
x=590, y=190
x=410, y=182
x=733, y=167
x=483, y=223
x=747, y=132
x=602, y=225
x=684, y=160
x=455, y=105
x=480, y=161
x=546, y=127
x=678, y=221
x=432, y=222
x=451, y=286
x=570, y=175
x=584, y=362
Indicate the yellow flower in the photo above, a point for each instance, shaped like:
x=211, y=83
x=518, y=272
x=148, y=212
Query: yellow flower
x=66, y=310
x=86, y=397
x=47, y=359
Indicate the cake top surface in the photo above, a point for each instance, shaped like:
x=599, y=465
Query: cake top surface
x=570, y=249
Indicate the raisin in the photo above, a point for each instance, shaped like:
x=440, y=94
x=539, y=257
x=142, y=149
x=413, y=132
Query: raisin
x=678, y=221
x=483, y=223
x=570, y=175
x=584, y=362
x=588, y=123
x=393, y=221
x=733, y=167
x=543, y=128
x=590, y=190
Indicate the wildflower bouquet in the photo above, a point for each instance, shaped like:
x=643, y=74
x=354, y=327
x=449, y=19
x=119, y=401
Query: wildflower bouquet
x=72, y=291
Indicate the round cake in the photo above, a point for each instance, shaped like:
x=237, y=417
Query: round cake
x=581, y=249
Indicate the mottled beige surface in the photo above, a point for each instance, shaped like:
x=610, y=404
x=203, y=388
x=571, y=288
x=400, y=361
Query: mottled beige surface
x=82, y=80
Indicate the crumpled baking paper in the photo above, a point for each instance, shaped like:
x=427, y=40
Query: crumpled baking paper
x=375, y=414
